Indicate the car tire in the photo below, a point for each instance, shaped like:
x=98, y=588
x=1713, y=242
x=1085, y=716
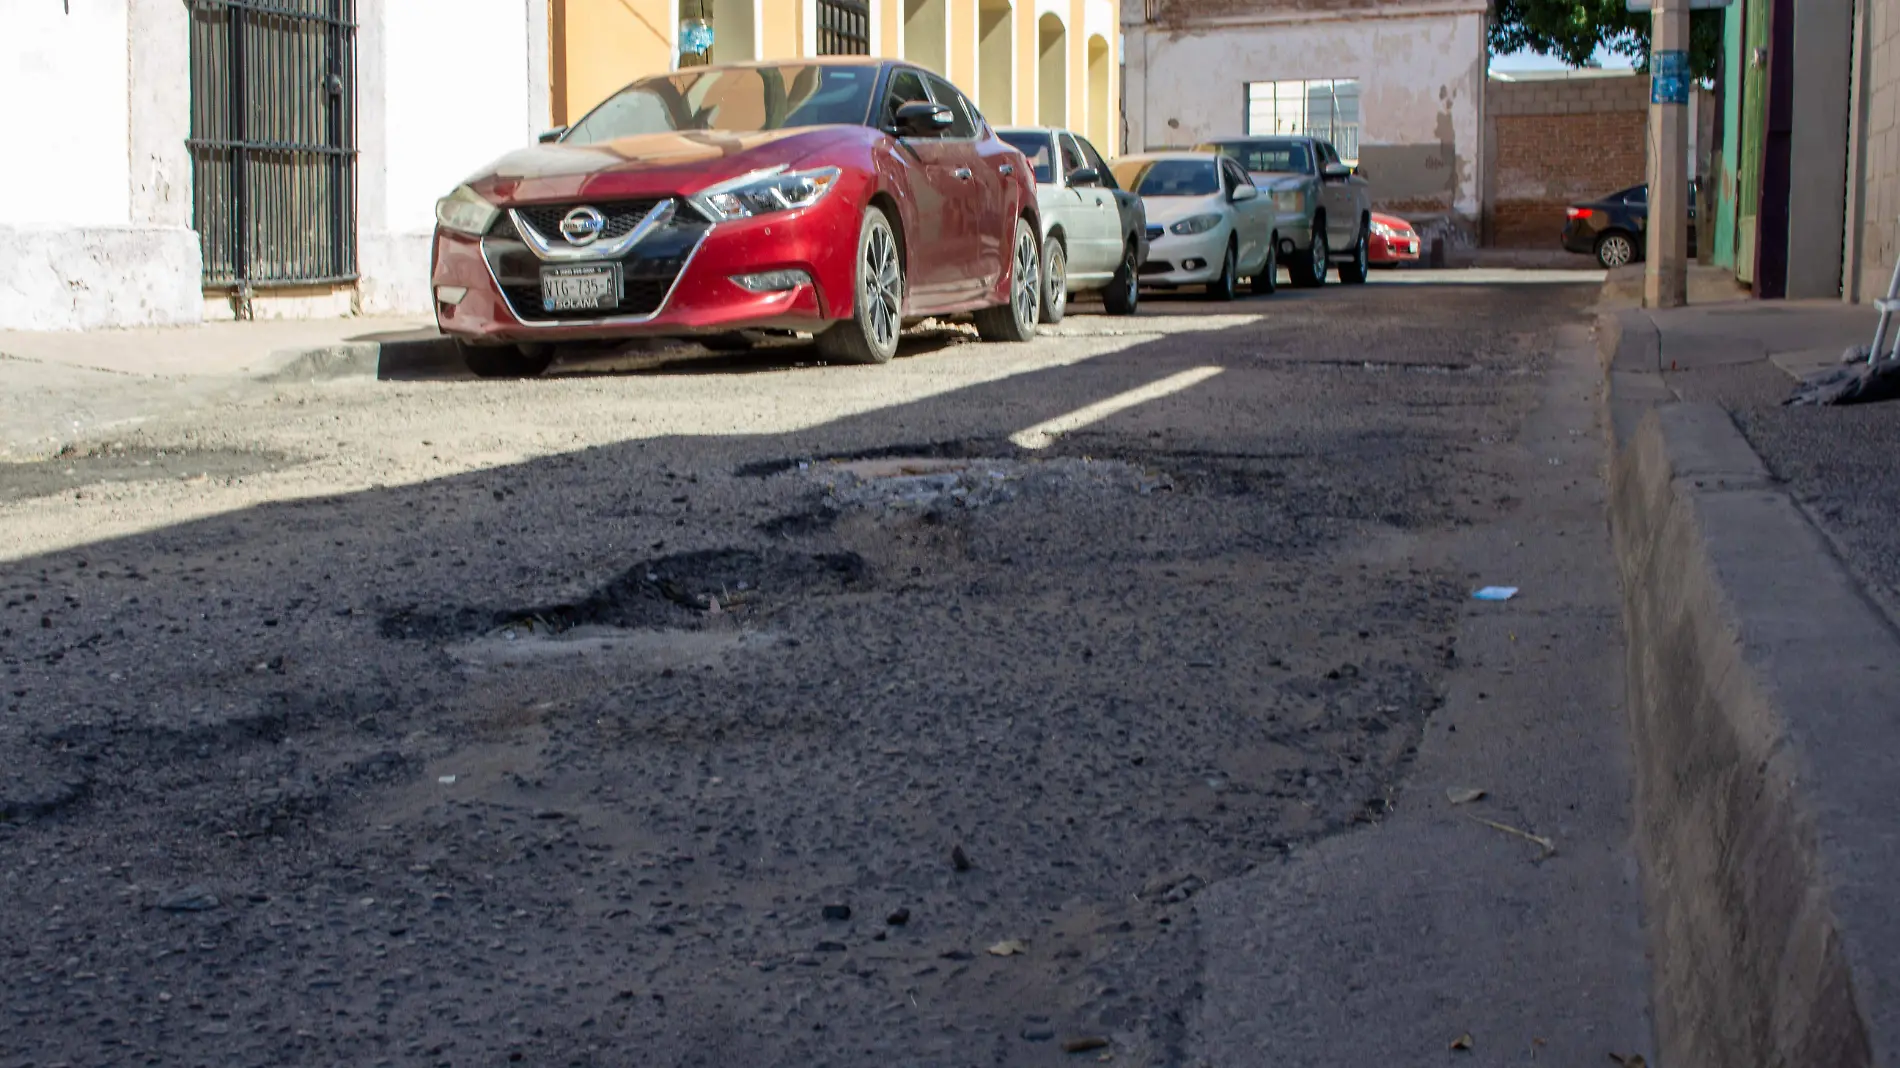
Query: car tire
x=877, y=308
x=1055, y=280
x=1309, y=270
x=1615, y=248
x=1123, y=295
x=506, y=361
x=1016, y=320
x=1222, y=289
x=1354, y=273
x=1267, y=282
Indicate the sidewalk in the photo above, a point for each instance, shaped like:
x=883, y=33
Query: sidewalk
x=1760, y=551
x=58, y=388
x=267, y=349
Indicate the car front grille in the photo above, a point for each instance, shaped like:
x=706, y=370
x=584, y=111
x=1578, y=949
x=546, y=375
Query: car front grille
x=1154, y=232
x=648, y=271
x=1157, y=267
x=644, y=286
x=622, y=216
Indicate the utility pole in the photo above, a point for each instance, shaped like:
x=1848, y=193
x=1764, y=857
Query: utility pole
x=1666, y=271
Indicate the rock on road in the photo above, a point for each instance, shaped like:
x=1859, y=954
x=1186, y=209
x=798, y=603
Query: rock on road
x=743, y=712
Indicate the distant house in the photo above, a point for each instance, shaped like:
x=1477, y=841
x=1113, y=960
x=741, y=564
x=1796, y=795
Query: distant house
x=1397, y=85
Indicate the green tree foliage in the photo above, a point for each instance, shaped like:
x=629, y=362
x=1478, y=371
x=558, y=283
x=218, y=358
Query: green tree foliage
x=1573, y=30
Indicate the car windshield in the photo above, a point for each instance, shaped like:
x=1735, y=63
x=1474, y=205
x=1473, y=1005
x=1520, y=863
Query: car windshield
x=1169, y=177
x=1269, y=157
x=1036, y=147
x=732, y=100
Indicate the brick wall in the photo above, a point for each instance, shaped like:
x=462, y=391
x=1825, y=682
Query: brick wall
x=1550, y=144
x=1880, y=235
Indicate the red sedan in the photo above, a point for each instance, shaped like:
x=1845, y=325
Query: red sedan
x=836, y=197
x=1393, y=241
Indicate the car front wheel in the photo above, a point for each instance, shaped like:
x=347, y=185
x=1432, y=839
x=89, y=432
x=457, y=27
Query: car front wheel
x=1123, y=295
x=870, y=335
x=1268, y=280
x=1355, y=272
x=1222, y=288
x=1016, y=320
x=1055, y=280
x=1309, y=269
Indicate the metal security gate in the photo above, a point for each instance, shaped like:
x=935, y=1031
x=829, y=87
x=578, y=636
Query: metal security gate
x=273, y=141
x=844, y=28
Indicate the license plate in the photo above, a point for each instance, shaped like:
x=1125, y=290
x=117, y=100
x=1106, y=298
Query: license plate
x=595, y=285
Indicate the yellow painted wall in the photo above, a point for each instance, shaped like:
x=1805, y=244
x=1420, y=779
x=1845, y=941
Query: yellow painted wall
x=1026, y=47
x=963, y=45
x=890, y=14
x=782, y=29
x=597, y=46
x=1078, y=43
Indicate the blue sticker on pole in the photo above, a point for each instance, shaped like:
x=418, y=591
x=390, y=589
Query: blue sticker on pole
x=1669, y=77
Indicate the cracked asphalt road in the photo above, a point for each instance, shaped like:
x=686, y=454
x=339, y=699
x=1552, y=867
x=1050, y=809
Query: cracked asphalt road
x=738, y=711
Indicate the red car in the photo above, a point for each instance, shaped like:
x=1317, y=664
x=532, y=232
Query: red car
x=1393, y=241
x=839, y=197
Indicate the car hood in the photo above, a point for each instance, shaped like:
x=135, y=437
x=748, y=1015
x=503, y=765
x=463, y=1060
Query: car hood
x=1162, y=210
x=1275, y=181
x=1393, y=221
x=658, y=164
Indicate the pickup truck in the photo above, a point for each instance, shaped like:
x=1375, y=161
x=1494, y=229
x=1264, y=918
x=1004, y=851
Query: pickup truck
x=1325, y=206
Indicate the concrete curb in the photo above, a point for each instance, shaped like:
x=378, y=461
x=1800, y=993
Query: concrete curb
x=394, y=357
x=1761, y=686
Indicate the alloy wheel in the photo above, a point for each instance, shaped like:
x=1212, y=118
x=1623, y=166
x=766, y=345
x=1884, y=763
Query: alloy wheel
x=1028, y=278
x=1321, y=261
x=883, y=286
x=1615, y=251
x=1057, y=281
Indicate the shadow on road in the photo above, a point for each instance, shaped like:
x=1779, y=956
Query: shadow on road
x=571, y=755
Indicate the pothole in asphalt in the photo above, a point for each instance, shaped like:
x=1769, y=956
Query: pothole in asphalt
x=123, y=464
x=929, y=486
x=522, y=643
x=666, y=592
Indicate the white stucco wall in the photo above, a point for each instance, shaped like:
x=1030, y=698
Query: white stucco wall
x=439, y=98
x=60, y=93
x=100, y=240
x=1421, y=80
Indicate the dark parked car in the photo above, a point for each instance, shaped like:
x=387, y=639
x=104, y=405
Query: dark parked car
x=1615, y=229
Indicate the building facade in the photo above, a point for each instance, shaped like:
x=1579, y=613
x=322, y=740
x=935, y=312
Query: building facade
x=1557, y=140
x=1809, y=209
x=1397, y=85
x=282, y=158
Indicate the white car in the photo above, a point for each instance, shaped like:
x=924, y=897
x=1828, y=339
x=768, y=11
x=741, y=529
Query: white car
x=1207, y=223
x=1092, y=231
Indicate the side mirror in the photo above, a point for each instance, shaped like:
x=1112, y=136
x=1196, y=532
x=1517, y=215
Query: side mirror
x=1245, y=192
x=552, y=135
x=1085, y=176
x=1335, y=172
x=921, y=118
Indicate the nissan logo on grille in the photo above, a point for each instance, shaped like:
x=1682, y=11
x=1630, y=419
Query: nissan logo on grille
x=583, y=226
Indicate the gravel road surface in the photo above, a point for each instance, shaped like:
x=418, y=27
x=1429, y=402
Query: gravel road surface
x=740, y=711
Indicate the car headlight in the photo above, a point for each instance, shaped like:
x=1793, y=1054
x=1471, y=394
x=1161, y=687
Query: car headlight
x=465, y=212
x=1291, y=201
x=765, y=192
x=1384, y=231
x=1196, y=224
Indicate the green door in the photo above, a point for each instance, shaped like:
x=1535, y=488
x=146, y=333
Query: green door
x=1754, y=121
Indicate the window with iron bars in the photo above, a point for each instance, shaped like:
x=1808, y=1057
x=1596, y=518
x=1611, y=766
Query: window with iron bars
x=1326, y=108
x=844, y=28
